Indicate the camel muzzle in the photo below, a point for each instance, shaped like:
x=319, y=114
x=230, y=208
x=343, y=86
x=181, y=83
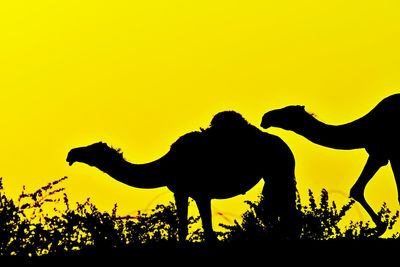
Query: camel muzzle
x=265, y=124
x=70, y=162
x=69, y=159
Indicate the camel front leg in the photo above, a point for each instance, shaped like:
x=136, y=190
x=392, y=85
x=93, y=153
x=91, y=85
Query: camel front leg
x=204, y=206
x=181, y=202
x=357, y=191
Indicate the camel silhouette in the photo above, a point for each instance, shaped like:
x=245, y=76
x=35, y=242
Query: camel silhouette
x=224, y=160
x=377, y=132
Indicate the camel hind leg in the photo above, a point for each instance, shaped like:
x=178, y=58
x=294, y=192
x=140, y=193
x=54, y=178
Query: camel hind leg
x=279, y=207
x=204, y=206
x=357, y=191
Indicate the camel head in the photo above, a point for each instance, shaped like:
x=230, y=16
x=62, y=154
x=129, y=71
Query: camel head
x=93, y=155
x=286, y=118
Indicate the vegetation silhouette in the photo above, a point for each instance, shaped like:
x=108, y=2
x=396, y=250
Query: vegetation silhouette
x=319, y=220
x=31, y=227
x=377, y=132
x=222, y=161
x=27, y=230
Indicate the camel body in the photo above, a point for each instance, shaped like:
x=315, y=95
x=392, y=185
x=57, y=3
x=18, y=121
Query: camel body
x=222, y=161
x=377, y=132
x=225, y=168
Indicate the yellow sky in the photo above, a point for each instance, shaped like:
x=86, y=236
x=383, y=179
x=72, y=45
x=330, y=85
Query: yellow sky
x=139, y=74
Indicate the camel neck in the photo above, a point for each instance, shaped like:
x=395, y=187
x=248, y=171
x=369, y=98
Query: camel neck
x=149, y=175
x=346, y=136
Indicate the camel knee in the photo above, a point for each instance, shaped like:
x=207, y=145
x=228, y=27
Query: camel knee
x=357, y=192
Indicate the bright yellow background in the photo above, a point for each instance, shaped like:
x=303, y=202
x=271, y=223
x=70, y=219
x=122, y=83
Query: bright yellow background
x=139, y=74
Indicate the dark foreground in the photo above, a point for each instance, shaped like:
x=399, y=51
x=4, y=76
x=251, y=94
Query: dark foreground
x=326, y=252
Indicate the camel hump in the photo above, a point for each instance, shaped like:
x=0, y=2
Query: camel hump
x=228, y=119
x=384, y=114
x=231, y=124
x=395, y=97
x=388, y=103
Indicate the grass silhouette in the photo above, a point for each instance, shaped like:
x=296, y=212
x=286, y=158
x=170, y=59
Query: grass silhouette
x=29, y=228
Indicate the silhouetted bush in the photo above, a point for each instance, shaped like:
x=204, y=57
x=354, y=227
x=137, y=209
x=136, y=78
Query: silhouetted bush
x=160, y=225
x=320, y=222
x=43, y=223
x=315, y=221
x=28, y=229
x=23, y=226
x=362, y=230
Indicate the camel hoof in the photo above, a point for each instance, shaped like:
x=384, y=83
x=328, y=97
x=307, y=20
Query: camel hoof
x=380, y=228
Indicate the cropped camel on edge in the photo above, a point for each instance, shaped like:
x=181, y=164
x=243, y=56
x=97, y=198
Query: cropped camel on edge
x=377, y=132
